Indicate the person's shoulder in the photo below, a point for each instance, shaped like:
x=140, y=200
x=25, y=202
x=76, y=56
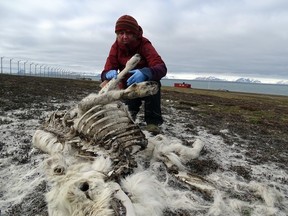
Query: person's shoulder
x=145, y=40
x=115, y=44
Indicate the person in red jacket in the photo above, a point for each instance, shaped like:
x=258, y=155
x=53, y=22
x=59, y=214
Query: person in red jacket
x=129, y=41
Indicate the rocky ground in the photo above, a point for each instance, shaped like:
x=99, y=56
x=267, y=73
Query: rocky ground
x=258, y=124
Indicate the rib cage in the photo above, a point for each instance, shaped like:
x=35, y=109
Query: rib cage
x=111, y=125
x=111, y=128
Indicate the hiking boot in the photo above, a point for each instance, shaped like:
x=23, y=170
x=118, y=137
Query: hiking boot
x=153, y=129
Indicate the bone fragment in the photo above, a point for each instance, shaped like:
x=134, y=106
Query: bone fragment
x=112, y=85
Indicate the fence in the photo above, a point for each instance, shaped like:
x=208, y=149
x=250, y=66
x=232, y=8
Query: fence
x=15, y=66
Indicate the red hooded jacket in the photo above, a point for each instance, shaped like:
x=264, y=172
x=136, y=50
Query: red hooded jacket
x=119, y=54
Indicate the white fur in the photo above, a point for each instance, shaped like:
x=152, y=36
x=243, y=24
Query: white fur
x=269, y=195
x=67, y=198
x=223, y=205
x=145, y=193
x=175, y=153
x=47, y=142
x=144, y=189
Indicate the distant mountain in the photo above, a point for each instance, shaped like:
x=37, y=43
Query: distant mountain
x=210, y=78
x=283, y=82
x=247, y=80
x=239, y=80
x=169, y=77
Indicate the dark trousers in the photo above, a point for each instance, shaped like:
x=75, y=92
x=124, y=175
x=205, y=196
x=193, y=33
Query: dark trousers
x=152, y=108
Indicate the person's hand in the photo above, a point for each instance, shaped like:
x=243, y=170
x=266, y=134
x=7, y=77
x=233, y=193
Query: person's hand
x=111, y=74
x=139, y=75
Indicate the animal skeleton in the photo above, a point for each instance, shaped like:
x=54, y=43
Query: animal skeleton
x=94, y=146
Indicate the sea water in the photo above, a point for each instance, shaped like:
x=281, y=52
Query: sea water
x=272, y=89
x=259, y=88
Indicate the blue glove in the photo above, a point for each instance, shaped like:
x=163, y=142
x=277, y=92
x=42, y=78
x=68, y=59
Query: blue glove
x=111, y=74
x=139, y=75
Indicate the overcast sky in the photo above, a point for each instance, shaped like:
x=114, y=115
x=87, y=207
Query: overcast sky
x=223, y=38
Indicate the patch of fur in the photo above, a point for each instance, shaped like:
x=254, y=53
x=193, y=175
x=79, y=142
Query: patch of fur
x=175, y=153
x=224, y=205
x=47, y=142
x=82, y=190
x=144, y=190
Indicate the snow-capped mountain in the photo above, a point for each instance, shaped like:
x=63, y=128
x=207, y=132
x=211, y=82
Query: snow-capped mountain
x=283, y=82
x=169, y=77
x=247, y=80
x=210, y=78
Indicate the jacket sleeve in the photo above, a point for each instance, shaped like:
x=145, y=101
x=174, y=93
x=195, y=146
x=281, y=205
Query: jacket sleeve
x=154, y=61
x=111, y=61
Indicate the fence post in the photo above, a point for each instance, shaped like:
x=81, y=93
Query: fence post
x=30, y=68
x=10, y=65
x=2, y=64
x=35, y=69
x=18, y=66
x=25, y=67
